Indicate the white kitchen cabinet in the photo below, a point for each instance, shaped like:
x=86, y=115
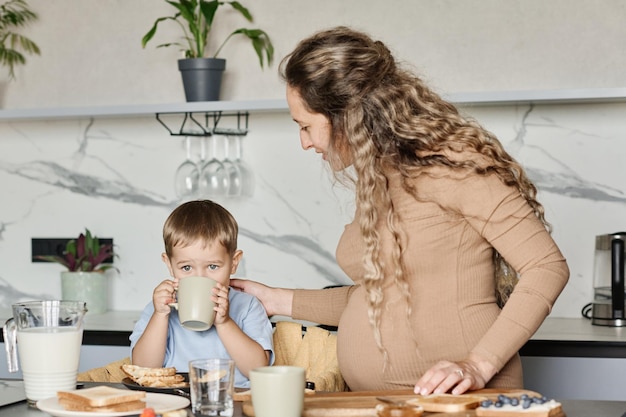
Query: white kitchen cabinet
x=576, y=378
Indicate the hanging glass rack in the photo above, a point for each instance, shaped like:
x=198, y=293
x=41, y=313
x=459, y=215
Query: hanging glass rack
x=213, y=123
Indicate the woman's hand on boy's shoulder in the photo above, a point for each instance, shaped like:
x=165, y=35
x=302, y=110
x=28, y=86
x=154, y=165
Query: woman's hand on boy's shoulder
x=274, y=300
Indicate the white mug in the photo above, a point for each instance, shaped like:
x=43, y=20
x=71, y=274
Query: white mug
x=194, y=304
x=277, y=391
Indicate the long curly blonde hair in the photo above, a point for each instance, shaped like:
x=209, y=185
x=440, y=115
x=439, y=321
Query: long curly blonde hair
x=388, y=119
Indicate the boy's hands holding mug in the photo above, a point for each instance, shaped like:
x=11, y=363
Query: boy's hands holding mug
x=163, y=295
x=220, y=298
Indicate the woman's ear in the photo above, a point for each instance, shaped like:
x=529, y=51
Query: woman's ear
x=236, y=259
x=166, y=261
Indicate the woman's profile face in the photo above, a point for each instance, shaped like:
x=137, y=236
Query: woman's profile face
x=315, y=129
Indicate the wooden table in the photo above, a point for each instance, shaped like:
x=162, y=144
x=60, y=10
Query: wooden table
x=364, y=403
x=572, y=408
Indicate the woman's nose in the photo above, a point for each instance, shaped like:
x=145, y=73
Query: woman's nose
x=305, y=143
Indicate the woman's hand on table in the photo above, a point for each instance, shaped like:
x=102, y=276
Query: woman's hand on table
x=456, y=377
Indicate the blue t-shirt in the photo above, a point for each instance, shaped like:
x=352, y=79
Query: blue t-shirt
x=185, y=345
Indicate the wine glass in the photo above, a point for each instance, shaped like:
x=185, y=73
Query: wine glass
x=213, y=177
x=245, y=172
x=187, y=177
x=235, y=188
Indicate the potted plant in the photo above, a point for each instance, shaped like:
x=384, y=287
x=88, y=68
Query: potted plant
x=202, y=70
x=15, y=14
x=84, y=279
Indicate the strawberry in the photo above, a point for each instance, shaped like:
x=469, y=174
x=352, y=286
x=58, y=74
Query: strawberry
x=148, y=412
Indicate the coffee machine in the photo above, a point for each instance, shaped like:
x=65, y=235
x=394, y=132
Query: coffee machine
x=608, y=304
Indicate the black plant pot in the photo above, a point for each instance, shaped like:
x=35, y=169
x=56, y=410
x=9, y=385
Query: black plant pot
x=202, y=78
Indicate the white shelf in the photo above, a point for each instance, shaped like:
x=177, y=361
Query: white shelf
x=570, y=96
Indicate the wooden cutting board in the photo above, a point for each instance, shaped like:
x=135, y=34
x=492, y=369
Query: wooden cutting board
x=363, y=403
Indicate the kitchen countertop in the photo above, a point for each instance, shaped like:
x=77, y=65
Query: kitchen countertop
x=563, y=337
x=576, y=337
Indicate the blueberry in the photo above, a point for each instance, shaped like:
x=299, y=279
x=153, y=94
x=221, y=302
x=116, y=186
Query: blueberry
x=498, y=404
x=526, y=403
x=514, y=402
x=486, y=403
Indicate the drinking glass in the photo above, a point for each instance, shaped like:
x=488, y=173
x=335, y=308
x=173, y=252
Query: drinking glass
x=213, y=177
x=245, y=172
x=187, y=178
x=211, y=387
x=235, y=186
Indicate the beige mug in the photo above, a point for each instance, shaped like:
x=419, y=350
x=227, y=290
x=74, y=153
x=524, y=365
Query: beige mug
x=277, y=391
x=194, y=304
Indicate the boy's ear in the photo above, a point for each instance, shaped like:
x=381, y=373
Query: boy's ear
x=236, y=259
x=166, y=261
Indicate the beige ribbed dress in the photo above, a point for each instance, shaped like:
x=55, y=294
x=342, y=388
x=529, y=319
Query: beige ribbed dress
x=448, y=236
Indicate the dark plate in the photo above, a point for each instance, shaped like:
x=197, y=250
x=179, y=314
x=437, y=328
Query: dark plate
x=130, y=384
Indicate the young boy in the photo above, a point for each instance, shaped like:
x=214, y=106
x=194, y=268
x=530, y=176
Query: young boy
x=201, y=240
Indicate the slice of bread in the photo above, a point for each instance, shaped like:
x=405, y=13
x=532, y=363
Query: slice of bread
x=155, y=377
x=135, y=371
x=113, y=408
x=169, y=381
x=100, y=396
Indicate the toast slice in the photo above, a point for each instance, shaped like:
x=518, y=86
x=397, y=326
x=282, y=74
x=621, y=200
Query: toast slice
x=155, y=377
x=170, y=381
x=113, y=408
x=134, y=371
x=100, y=396
x=446, y=403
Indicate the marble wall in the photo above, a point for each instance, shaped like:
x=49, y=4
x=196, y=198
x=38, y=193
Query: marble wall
x=115, y=177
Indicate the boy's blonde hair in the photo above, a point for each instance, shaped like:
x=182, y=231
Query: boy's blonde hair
x=200, y=220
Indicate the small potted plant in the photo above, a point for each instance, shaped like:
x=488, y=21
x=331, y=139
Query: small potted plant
x=202, y=70
x=15, y=14
x=84, y=279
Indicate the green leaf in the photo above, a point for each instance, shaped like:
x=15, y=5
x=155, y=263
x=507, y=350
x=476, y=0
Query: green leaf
x=245, y=12
x=186, y=8
x=53, y=258
x=70, y=247
x=148, y=36
x=260, y=42
x=208, y=9
x=15, y=14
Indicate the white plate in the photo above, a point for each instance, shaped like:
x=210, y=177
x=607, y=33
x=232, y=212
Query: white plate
x=162, y=403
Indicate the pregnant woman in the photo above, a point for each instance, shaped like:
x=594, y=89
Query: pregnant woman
x=451, y=256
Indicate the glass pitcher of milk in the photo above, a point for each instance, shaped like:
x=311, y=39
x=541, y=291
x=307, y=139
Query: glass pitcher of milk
x=47, y=335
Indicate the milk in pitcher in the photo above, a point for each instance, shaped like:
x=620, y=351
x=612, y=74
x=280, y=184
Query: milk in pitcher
x=49, y=359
